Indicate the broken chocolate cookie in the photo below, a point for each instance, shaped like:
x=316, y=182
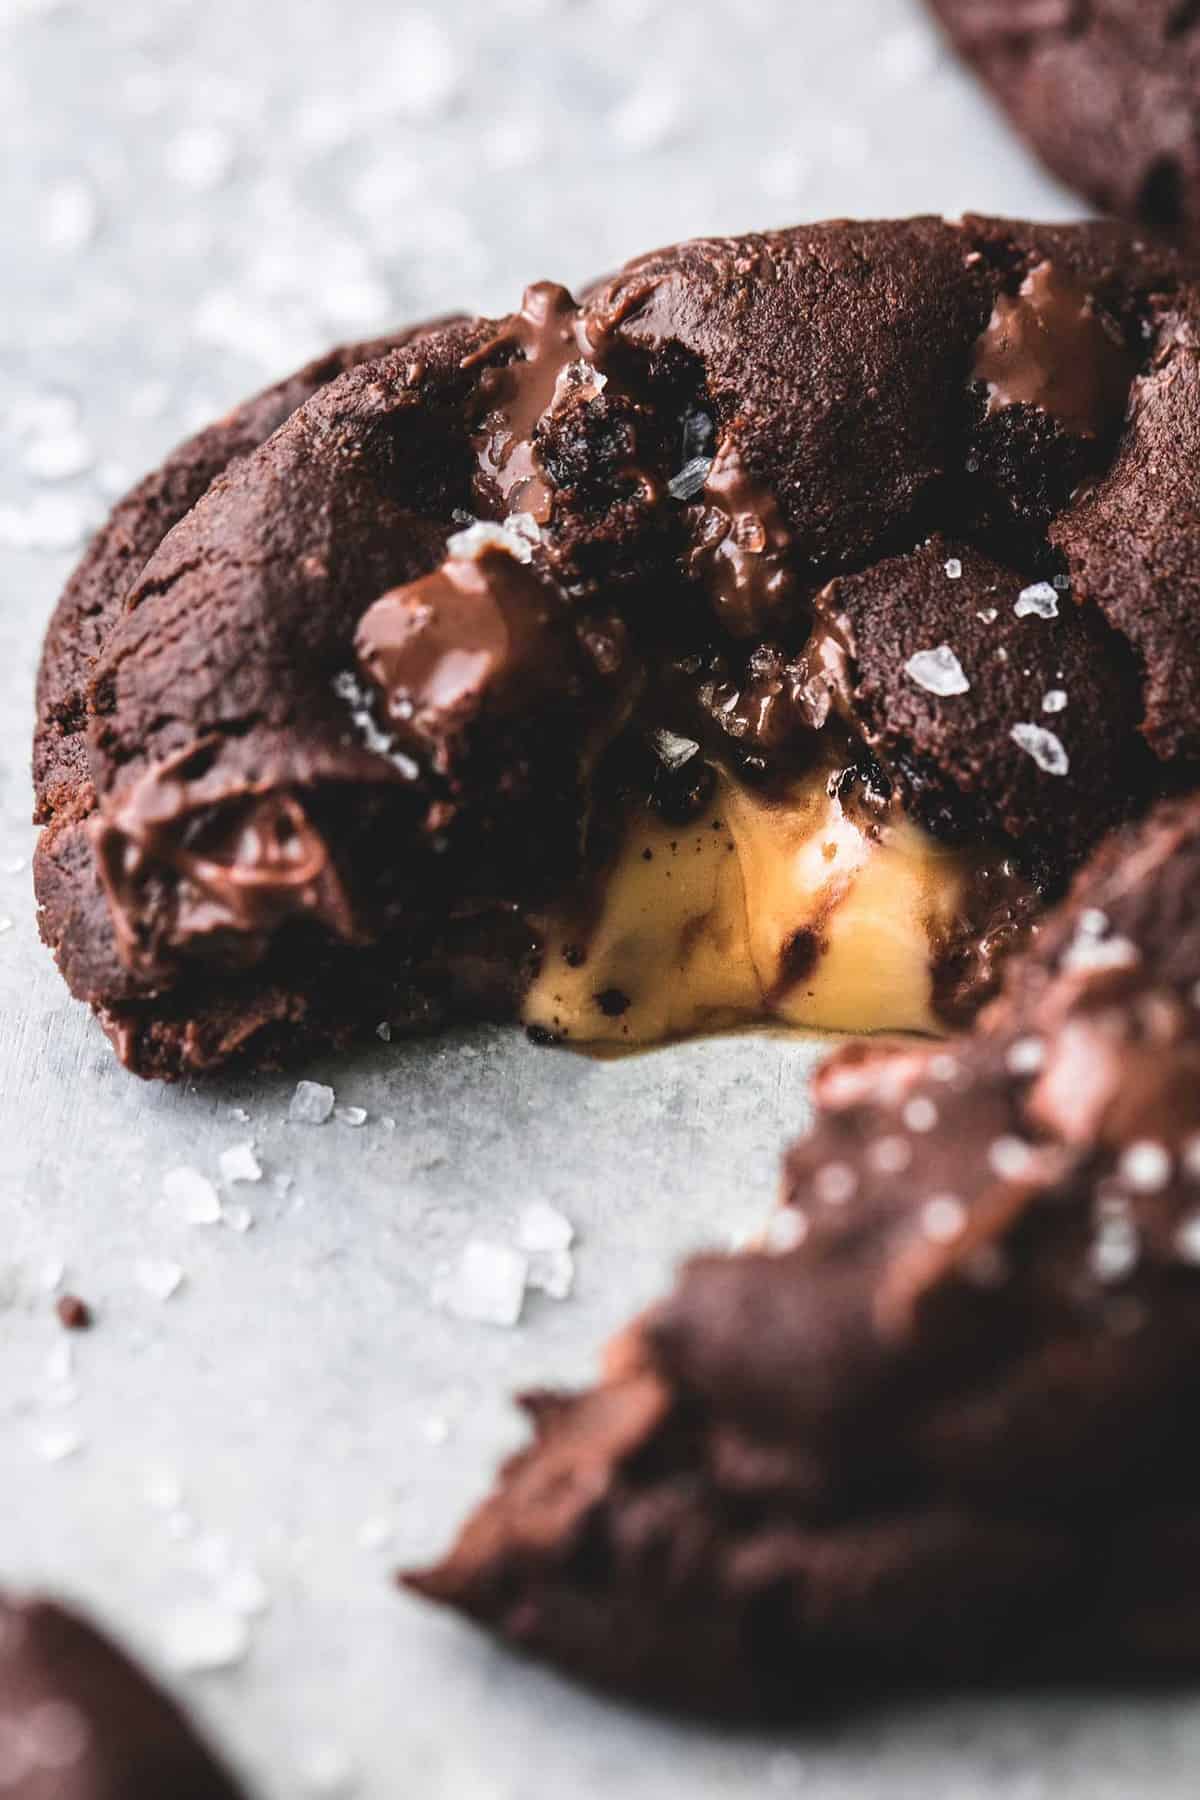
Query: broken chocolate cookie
x=1108, y=94
x=769, y=635
x=933, y=1430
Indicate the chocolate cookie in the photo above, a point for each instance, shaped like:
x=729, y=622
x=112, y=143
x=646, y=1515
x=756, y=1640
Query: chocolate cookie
x=78, y=1721
x=1108, y=94
x=932, y=1430
x=787, y=585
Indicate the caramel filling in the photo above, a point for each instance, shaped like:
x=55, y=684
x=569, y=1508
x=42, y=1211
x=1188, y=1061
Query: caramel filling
x=789, y=908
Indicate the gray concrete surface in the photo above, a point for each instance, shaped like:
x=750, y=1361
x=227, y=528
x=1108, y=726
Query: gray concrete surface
x=194, y=198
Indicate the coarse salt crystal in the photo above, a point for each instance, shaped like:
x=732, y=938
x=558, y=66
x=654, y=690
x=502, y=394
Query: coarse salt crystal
x=384, y=1031
x=350, y=1115
x=1026, y=1056
x=239, y=1163
x=543, y=1227
x=835, y=1183
x=1040, y=600
x=988, y=615
x=953, y=567
x=943, y=1218
x=1009, y=1157
x=672, y=750
x=920, y=1114
x=891, y=1155
x=488, y=1286
x=1054, y=700
x=938, y=671
x=1046, y=750
x=58, y=1446
x=194, y=1194
x=207, y=1637
x=552, y=1272
x=1145, y=1166
x=158, y=1276
x=311, y=1104
x=691, y=478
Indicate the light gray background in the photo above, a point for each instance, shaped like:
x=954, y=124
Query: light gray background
x=194, y=198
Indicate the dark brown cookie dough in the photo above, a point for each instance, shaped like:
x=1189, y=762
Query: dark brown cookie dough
x=78, y=1721
x=934, y=1432
x=1107, y=92
x=338, y=741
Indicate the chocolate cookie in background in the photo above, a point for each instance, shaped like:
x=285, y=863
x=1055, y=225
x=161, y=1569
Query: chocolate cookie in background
x=934, y=1430
x=849, y=568
x=79, y=1721
x=1108, y=94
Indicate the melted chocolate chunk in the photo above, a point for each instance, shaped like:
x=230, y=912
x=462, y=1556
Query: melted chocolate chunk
x=476, y=635
x=1049, y=348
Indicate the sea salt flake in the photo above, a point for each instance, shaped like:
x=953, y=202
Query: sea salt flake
x=58, y=1446
x=384, y=1031
x=205, y=1637
x=1009, y=1157
x=350, y=1115
x=543, y=1227
x=240, y=1114
x=953, y=567
x=920, y=1114
x=194, y=1194
x=484, y=535
x=551, y=1272
x=6, y=923
x=835, y=1183
x=691, y=478
x=943, y=1218
x=488, y=1286
x=1046, y=750
x=245, y=1592
x=672, y=750
x=1026, y=1056
x=1040, y=601
x=988, y=615
x=311, y=1104
x=158, y=1277
x=891, y=1155
x=376, y=1533
x=1054, y=700
x=1145, y=1166
x=938, y=671
x=239, y=1163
